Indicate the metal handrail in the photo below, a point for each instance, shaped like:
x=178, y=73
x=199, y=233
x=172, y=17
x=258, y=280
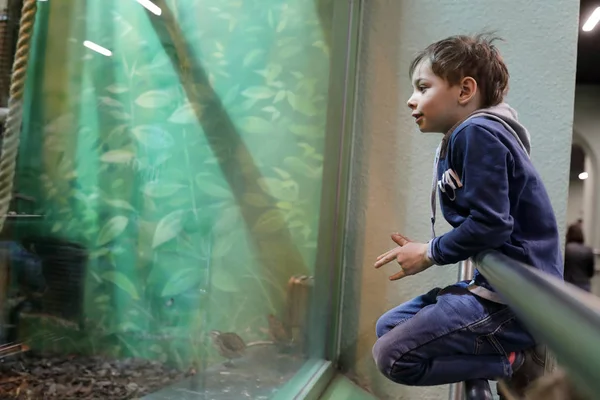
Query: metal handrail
x=558, y=314
x=465, y=272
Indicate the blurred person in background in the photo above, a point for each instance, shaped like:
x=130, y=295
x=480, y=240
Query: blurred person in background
x=579, y=259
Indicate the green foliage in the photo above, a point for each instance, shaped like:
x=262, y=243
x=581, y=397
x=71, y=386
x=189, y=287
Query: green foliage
x=188, y=230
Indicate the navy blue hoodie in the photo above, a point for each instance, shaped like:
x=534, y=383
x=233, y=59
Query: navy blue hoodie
x=493, y=197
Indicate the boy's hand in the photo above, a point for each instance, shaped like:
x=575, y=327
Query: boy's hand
x=411, y=256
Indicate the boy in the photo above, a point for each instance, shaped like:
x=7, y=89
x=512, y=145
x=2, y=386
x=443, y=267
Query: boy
x=493, y=197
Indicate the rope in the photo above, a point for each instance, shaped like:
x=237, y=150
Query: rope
x=12, y=132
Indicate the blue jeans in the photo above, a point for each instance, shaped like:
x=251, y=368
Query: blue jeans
x=448, y=335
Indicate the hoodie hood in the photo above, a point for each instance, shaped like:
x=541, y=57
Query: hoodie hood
x=507, y=116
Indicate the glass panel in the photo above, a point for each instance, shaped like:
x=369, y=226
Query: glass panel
x=170, y=177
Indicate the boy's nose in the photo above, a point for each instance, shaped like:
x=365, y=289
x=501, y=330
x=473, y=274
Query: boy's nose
x=411, y=103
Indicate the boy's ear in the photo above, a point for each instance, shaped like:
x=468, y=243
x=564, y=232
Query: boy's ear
x=468, y=90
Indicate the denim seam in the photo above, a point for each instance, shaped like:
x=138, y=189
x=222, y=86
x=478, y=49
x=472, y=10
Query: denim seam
x=484, y=320
x=498, y=329
x=504, y=361
x=401, y=321
x=495, y=343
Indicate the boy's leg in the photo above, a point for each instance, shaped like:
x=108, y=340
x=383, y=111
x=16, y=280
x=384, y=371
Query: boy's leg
x=403, y=312
x=458, y=337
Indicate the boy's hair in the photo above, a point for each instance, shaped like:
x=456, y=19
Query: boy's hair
x=476, y=56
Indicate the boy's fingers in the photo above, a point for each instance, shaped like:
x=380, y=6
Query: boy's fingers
x=386, y=259
x=386, y=253
x=398, y=275
x=401, y=240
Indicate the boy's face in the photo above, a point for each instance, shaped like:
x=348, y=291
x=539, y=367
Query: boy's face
x=434, y=103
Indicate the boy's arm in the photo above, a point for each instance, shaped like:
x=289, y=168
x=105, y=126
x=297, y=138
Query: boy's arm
x=483, y=162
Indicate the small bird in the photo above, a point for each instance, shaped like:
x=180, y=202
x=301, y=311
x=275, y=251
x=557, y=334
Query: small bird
x=229, y=345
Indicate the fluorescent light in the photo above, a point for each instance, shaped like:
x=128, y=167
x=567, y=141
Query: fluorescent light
x=150, y=6
x=97, y=48
x=583, y=176
x=592, y=20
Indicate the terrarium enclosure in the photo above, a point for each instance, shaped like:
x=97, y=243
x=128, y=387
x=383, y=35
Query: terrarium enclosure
x=169, y=185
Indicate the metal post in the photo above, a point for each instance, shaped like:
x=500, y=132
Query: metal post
x=457, y=391
x=465, y=272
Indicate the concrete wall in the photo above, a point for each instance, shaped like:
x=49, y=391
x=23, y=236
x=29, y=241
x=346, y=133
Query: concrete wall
x=392, y=160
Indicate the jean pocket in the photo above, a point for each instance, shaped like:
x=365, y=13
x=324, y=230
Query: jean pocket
x=489, y=329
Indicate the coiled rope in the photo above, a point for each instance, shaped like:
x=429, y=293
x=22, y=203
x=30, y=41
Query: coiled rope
x=14, y=118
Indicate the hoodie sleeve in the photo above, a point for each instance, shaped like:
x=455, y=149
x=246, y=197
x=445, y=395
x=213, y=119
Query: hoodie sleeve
x=482, y=162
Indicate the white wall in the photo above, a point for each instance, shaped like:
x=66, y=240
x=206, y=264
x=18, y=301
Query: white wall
x=392, y=160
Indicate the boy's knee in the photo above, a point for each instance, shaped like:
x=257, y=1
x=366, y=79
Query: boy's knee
x=381, y=327
x=395, y=365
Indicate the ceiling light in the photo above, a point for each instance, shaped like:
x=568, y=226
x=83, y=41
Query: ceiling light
x=150, y=6
x=583, y=176
x=592, y=20
x=97, y=48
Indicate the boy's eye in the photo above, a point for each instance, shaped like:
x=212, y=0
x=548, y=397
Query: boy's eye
x=422, y=88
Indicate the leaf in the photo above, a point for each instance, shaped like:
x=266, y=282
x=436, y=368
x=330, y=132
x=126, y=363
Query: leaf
x=298, y=165
x=283, y=190
x=221, y=248
x=283, y=174
x=154, y=99
x=290, y=51
x=56, y=227
x=256, y=200
x=269, y=222
x=251, y=57
x=129, y=326
x=168, y=228
x=273, y=71
x=159, y=189
x=110, y=101
x=153, y=136
x=223, y=280
x=305, y=130
x=291, y=99
x=280, y=96
x=117, y=156
x=256, y=125
x=156, y=349
x=120, y=280
x=284, y=205
x=120, y=115
x=187, y=113
x=120, y=204
x=103, y=298
x=304, y=106
x=113, y=228
x=116, y=89
x=231, y=95
x=227, y=220
x=181, y=281
x=258, y=92
x=212, y=189
x=281, y=25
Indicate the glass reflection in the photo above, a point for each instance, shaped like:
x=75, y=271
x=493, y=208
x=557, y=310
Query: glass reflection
x=170, y=175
